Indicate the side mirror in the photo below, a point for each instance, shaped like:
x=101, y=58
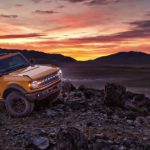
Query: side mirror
x=32, y=61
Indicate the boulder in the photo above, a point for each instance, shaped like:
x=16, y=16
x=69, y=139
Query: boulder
x=139, y=97
x=114, y=94
x=2, y=106
x=53, y=113
x=71, y=139
x=81, y=88
x=77, y=103
x=67, y=86
x=40, y=142
x=101, y=145
x=1, y=122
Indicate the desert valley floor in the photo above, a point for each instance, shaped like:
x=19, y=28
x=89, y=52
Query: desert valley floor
x=135, y=78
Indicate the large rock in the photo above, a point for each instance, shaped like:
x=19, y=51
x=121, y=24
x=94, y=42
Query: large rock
x=2, y=106
x=67, y=86
x=138, y=103
x=71, y=139
x=101, y=145
x=114, y=94
x=76, y=101
x=54, y=112
x=77, y=104
x=40, y=142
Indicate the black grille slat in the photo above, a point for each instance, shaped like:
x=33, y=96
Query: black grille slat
x=49, y=80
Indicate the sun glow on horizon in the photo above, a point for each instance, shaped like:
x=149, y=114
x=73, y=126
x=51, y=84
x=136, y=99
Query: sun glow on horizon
x=77, y=29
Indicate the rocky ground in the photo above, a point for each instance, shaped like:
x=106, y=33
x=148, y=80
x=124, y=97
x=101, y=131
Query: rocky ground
x=82, y=119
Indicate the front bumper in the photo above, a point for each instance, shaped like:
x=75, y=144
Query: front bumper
x=37, y=96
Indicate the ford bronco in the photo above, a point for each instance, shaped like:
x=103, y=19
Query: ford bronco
x=22, y=83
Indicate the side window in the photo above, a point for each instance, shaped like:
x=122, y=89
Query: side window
x=15, y=61
x=3, y=65
x=12, y=62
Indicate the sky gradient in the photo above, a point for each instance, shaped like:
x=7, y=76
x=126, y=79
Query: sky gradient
x=82, y=29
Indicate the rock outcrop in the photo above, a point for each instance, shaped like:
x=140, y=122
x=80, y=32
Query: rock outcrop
x=82, y=119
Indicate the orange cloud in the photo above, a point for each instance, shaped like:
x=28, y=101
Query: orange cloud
x=80, y=30
x=17, y=36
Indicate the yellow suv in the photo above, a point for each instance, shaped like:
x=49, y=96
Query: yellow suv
x=22, y=83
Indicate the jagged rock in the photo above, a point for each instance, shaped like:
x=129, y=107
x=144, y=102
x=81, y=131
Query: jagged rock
x=129, y=95
x=101, y=145
x=40, y=142
x=1, y=122
x=148, y=120
x=67, y=87
x=106, y=127
x=55, y=113
x=71, y=139
x=88, y=94
x=141, y=121
x=76, y=94
x=2, y=106
x=139, y=107
x=114, y=94
x=138, y=97
x=77, y=103
x=58, y=101
x=130, y=106
x=81, y=88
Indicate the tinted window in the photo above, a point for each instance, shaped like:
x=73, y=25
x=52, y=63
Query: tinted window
x=13, y=63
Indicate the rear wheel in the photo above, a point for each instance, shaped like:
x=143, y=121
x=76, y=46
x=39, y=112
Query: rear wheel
x=17, y=105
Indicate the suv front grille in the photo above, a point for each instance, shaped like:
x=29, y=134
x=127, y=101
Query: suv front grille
x=49, y=79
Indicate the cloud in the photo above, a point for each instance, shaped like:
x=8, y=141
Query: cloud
x=85, y=19
x=76, y=1
x=16, y=36
x=45, y=12
x=93, y=2
x=140, y=29
x=103, y=2
x=19, y=5
x=36, y=1
x=144, y=24
x=97, y=2
x=148, y=14
x=8, y=16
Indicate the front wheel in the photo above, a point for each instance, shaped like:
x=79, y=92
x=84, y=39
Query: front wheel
x=17, y=105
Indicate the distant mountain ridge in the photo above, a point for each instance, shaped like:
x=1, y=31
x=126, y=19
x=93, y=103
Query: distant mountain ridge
x=41, y=57
x=131, y=57
x=121, y=58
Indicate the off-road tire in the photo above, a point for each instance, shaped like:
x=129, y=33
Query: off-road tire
x=12, y=104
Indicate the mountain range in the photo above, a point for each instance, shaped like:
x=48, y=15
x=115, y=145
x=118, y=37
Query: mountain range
x=121, y=58
x=129, y=58
x=41, y=57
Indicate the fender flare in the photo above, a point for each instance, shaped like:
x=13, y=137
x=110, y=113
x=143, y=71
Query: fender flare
x=13, y=87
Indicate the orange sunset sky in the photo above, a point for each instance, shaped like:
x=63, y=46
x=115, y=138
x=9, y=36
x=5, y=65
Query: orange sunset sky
x=82, y=29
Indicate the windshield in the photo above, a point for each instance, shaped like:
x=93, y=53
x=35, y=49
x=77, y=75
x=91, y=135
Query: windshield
x=13, y=63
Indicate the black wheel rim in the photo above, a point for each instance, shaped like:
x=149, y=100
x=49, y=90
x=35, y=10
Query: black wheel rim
x=18, y=105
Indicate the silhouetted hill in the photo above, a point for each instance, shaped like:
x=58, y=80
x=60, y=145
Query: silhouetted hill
x=125, y=58
x=42, y=58
x=121, y=58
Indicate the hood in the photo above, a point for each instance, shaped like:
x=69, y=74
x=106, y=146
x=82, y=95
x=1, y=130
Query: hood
x=36, y=71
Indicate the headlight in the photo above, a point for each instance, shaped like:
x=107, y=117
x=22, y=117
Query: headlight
x=34, y=85
x=59, y=73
